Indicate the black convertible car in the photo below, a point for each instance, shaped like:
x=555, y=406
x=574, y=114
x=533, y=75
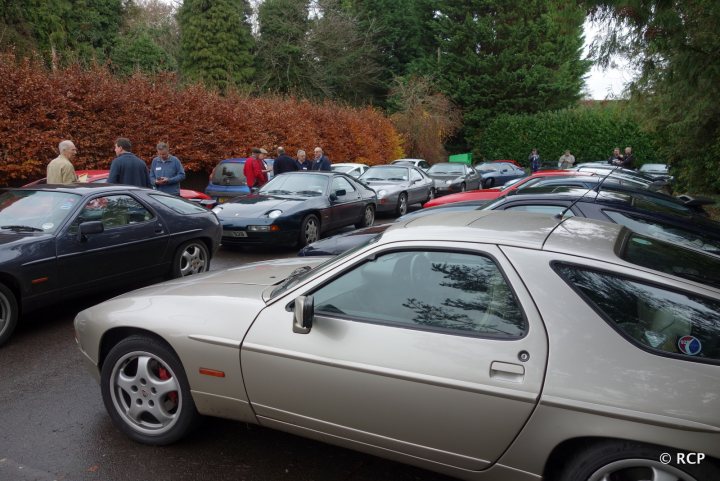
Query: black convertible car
x=58, y=242
x=297, y=208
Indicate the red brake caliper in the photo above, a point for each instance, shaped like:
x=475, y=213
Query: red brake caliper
x=163, y=374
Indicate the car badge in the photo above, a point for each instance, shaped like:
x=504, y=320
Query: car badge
x=689, y=345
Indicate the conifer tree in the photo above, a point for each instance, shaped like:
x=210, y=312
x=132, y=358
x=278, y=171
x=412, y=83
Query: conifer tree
x=216, y=42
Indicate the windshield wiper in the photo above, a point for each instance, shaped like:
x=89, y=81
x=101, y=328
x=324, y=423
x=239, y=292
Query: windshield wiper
x=373, y=178
x=396, y=178
x=308, y=192
x=25, y=228
x=281, y=192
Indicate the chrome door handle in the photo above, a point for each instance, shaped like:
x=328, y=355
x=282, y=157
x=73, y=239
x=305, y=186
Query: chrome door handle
x=505, y=371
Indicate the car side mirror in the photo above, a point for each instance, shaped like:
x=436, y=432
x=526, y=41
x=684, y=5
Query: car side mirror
x=340, y=192
x=90, y=227
x=303, y=314
x=505, y=171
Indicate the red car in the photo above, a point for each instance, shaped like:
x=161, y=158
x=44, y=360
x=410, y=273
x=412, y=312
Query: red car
x=101, y=176
x=495, y=192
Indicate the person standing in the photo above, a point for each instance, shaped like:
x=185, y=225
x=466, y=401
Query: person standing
x=60, y=170
x=534, y=159
x=303, y=161
x=284, y=163
x=127, y=168
x=321, y=162
x=566, y=161
x=166, y=171
x=254, y=169
x=616, y=158
x=628, y=159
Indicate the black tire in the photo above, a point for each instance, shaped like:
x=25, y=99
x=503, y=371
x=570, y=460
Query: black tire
x=463, y=187
x=368, y=217
x=431, y=195
x=192, y=257
x=402, y=205
x=8, y=313
x=309, y=230
x=148, y=366
x=631, y=461
x=489, y=183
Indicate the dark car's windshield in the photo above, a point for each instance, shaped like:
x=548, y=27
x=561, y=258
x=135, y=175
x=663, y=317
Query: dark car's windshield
x=446, y=169
x=343, y=168
x=229, y=173
x=35, y=210
x=302, y=184
x=494, y=167
x=385, y=173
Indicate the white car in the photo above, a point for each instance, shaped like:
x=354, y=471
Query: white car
x=350, y=168
x=419, y=163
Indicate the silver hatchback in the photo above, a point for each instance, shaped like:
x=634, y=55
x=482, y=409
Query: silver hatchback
x=483, y=345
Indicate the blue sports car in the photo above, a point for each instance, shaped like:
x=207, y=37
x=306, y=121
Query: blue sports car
x=58, y=242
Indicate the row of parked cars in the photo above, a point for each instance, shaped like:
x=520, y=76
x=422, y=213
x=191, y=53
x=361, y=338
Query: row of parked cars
x=521, y=337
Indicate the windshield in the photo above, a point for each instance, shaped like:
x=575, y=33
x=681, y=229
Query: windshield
x=342, y=168
x=446, y=169
x=385, y=173
x=303, y=273
x=661, y=168
x=35, y=210
x=229, y=173
x=296, y=184
x=671, y=259
x=491, y=167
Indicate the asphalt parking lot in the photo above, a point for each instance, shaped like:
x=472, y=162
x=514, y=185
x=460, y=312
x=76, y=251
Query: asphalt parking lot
x=55, y=427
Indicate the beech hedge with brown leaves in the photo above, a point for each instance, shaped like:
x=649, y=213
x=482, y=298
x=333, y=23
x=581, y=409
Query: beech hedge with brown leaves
x=39, y=108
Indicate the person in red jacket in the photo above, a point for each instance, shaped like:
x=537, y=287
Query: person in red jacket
x=255, y=171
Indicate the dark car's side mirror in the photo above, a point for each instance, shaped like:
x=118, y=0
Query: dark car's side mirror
x=304, y=313
x=90, y=227
x=338, y=193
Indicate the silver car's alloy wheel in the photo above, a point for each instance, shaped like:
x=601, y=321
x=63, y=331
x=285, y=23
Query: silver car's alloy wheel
x=402, y=205
x=463, y=187
x=192, y=258
x=145, y=393
x=368, y=216
x=639, y=470
x=8, y=313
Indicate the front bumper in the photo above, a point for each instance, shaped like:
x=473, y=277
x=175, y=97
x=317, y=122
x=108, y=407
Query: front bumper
x=249, y=238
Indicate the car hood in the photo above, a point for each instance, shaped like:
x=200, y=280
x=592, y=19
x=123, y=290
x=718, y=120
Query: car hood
x=258, y=205
x=215, y=307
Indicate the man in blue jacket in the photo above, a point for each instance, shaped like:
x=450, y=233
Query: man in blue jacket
x=321, y=162
x=166, y=171
x=127, y=168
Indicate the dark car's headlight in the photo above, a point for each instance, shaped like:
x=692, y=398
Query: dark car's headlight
x=274, y=214
x=263, y=228
x=381, y=193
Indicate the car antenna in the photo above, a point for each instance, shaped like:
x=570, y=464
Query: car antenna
x=596, y=188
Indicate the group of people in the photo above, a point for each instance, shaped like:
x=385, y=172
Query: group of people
x=567, y=160
x=255, y=170
x=166, y=172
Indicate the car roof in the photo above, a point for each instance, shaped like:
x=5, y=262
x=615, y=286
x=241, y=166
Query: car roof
x=235, y=160
x=519, y=229
x=348, y=164
x=83, y=188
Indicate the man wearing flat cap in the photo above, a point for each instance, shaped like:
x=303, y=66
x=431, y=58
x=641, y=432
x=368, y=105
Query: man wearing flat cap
x=254, y=170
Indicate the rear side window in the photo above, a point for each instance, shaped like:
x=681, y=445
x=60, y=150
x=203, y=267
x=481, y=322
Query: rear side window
x=181, y=206
x=657, y=319
x=229, y=173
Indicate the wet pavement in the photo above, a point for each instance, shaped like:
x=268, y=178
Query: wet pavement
x=53, y=424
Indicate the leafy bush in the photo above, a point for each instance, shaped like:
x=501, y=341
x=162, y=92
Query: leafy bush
x=39, y=108
x=590, y=131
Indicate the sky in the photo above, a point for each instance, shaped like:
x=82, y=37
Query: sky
x=602, y=84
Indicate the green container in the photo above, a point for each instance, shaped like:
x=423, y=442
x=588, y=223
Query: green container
x=461, y=158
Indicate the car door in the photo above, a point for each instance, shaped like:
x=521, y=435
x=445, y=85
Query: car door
x=432, y=350
x=131, y=246
x=472, y=178
x=419, y=189
x=348, y=207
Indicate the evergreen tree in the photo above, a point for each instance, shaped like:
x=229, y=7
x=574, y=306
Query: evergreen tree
x=216, y=42
x=137, y=50
x=282, y=65
x=508, y=57
x=673, y=46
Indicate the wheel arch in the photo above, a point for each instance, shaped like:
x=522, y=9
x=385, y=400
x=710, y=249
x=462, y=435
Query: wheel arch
x=112, y=337
x=569, y=448
x=13, y=284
